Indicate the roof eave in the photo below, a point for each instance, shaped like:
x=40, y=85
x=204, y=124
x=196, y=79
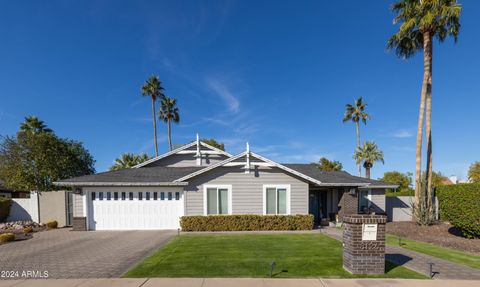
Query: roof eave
x=132, y=184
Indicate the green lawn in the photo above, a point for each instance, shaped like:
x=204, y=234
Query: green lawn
x=249, y=255
x=456, y=256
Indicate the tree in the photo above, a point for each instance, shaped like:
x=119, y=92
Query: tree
x=153, y=88
x=403, y=180
x=420, y=22
x=356, y=113
x=128, y=160
x=324, y=164
x=368, y=154
x=214, y=143
x=169, y=113
x=33, y=124
x=33, y=161
x=474, y=172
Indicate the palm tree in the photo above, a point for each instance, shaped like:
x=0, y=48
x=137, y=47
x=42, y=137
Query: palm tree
x=324, y=164
x=169, y=112
x=128, y=160
x=34, y=125
x=153, y=88
x=369, y=153
x=420, y=22
x=356, y=113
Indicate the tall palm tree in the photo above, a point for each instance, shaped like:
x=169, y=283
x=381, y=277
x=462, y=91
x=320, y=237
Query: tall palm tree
x=169, y=113
x=369, y=153
x=356, y=113
x=128, y=160
x=34, y=125
x=153, y=88
x=420, y=22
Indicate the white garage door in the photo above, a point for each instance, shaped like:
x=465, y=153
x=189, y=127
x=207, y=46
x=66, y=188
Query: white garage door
x=134, y=210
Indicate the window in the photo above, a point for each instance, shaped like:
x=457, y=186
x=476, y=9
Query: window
x=123, y=195
x=130, y=196
x=177, y=195
x=109, y=195
x=363, y=201
x=155, y=195
x=147, y=195
x=93, y=195
x=169, y=196
x=140, y=195
x=115, y=196
x=100, y=195
x=217, y=199
x=276, y=199
x=162, y=195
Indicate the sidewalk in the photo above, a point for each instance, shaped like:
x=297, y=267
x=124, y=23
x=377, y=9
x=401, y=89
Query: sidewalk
x=236, y=282
x=419, y=262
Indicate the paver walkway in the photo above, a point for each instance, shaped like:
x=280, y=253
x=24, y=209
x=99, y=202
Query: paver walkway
x=79, y=254
x=420, y=262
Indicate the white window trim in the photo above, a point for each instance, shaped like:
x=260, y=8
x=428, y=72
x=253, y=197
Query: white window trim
x=228, y=187
x=277, y=186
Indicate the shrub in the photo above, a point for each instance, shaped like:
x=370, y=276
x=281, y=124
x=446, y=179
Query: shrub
x=247, y=222
x=5, y=204
x=28, y=229
x=460, y=204
x=7, y=237
x=52, y=224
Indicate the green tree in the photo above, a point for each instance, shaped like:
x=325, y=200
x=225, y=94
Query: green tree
x=169, y=113
x=33, y=161
x=128, y=160
x=153, y=88
x=474, y=172
x=324, y=164
x=33, y=124
x=403, y=180
x=421, y=22
x=214, y=143
x=356, y=113
x=368, y=154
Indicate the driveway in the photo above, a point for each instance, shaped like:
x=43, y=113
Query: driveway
x=79, y=254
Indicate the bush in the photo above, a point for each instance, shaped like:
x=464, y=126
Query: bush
x=5, y=204
x=52, y=224
x=7, y=237
x=246, y=222
x=460, y=204
x=28, y=229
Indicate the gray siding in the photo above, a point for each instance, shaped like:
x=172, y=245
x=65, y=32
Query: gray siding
x=378, y=200
x=247, y=189
x=185, y=160
x=78, y=205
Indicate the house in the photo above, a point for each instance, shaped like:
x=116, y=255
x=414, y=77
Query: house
x=199, y=179
x=10, y=193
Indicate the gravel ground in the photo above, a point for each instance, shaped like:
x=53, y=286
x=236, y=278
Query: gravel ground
x=442, y=233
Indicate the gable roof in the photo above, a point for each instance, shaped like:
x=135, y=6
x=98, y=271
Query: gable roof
x=184, y=147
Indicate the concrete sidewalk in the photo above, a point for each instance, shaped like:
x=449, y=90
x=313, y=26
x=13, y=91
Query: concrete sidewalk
x=236, y=282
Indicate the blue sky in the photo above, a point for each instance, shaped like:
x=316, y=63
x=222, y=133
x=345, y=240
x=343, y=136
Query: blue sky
x=274, y=73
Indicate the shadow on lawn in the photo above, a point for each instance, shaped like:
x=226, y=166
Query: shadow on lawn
x=396, y=259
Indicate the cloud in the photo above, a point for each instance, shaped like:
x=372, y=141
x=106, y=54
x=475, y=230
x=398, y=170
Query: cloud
x=403, y=134
x=224, y=92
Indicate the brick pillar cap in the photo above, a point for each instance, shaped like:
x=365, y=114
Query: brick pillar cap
x=364, y=218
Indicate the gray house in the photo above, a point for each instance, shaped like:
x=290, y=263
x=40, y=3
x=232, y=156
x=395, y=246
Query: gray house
x=199, y=179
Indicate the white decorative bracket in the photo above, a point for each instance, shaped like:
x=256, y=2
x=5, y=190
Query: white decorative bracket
x=198, y=154
x=247, y=159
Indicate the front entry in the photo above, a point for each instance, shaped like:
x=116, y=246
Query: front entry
x=317, y=205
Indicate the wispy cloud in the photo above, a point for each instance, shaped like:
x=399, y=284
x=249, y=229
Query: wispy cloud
x=221, y=89
x=402, y=134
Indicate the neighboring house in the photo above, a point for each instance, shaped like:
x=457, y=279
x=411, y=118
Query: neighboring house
x=10, y=193
x=198, y=179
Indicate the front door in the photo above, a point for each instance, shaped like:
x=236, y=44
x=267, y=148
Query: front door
x=317, y=205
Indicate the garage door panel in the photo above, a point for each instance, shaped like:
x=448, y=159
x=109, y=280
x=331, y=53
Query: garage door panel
x=135, y=214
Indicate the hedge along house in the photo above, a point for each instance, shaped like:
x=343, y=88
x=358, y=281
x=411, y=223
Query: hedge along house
x=199, y=179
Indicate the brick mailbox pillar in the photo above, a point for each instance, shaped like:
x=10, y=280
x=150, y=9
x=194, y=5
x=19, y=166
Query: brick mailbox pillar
x=364, y=243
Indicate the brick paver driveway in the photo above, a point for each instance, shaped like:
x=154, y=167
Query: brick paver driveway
x=76, y=254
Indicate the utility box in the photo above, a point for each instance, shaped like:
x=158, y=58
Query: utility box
x=364, y=243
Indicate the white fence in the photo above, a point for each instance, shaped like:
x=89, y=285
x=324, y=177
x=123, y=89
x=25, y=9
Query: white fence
x=399, y=208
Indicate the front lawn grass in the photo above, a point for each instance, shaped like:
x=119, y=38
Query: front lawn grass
x=250, y=255
x=448, y=254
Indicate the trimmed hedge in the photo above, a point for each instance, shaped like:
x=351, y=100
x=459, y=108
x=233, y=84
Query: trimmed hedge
x=52, y=224
x=7, y=237
x=248, y=222
x=5, y=204
x=460, y=205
